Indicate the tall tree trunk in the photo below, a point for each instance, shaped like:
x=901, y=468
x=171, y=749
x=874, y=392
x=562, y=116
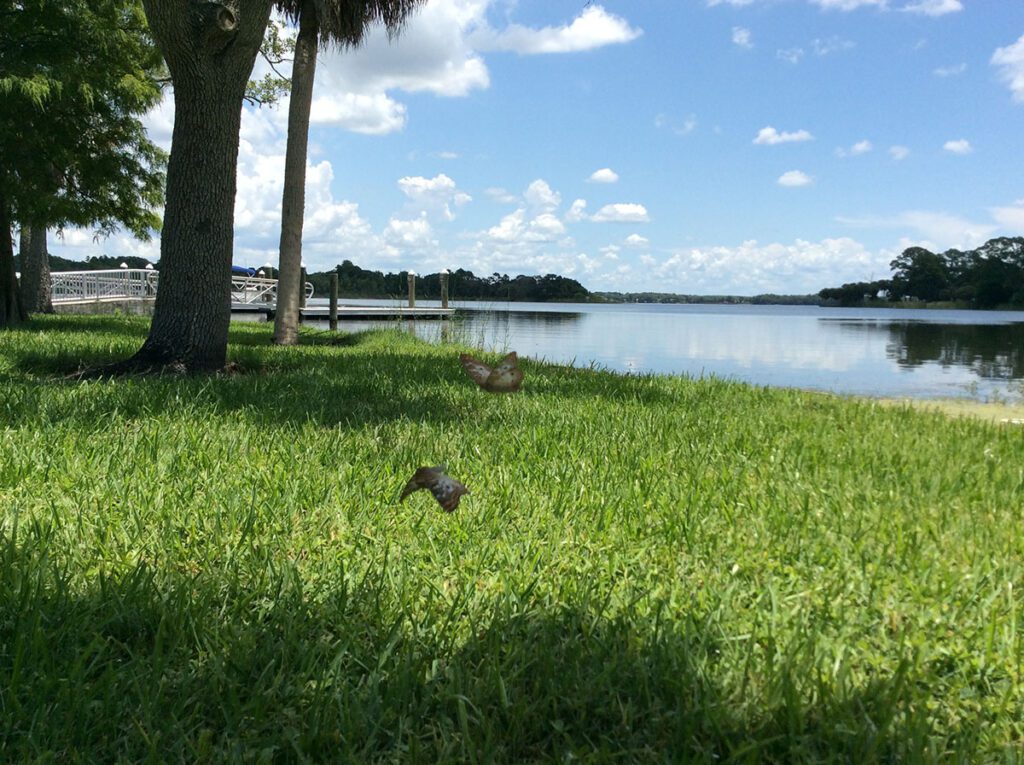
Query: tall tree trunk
x=35, y=271
x=293, y=199
x=11, y=312
x=193, y=304
x=210, y=48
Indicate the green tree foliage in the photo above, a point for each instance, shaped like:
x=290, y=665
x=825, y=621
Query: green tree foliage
x=278, y=46
x=989, y=276
x=91, y=263
x=678, y=298
x=856, y=293
x=920, y=274
x=354, y=281
x=74, y=75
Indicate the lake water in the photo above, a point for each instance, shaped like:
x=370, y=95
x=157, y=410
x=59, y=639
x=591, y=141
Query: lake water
x=877, y=352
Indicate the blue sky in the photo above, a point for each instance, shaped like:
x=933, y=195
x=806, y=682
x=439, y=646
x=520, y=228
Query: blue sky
x=697, y=146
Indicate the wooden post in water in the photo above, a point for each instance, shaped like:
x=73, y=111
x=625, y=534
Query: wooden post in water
x=412, y=289
x=444, y=287
x=334, y=301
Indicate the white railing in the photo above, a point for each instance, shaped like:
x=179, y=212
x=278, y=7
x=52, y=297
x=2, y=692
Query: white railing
x=90, y=286
x=253, y=289
x=139, y=284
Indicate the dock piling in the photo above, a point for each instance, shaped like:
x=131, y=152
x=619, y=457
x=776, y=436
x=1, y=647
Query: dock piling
x=444, y=288
x=412, y=289
x=334, y=301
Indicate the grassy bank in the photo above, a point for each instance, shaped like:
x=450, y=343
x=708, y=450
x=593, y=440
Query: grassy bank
x=647, y=569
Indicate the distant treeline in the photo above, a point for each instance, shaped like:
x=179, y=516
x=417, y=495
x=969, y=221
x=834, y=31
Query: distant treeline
x=354, y=281
x=92, y=263
x=671, y=297
x=991, y=276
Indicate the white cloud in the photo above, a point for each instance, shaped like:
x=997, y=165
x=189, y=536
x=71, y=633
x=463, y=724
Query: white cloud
x=861, y=147
x=333, y=229
x=683, y=127
x=432, y=54
x=588, y=264
x=439, y=193
x=440, y=51
x=547, y=227
x=950, y=71
x=922, y=7
x=371, y=114
x=750, y=268
x=621, y=212
x=899, y=152
x=940, y=230
x=1010, y=62
x=741, y=37
x=593, y=28
x=577, y=211
x=794, y=178
x=1011, y=217
x=79, y=243
x=849, y=5
x=635, y=240
x=769, y=136
x=517, y=228
x=539, y=195
x=934, y=7
x=415, y=234
x=604, y=175
x=499, y=194
x=159, y=122
x=959, y=146
x=831, y=45
x=792, y=55
x=510, y=229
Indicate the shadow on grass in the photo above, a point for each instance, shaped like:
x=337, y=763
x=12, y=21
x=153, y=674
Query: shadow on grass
x=199, y=670
x=130, y=326
x=349, y=379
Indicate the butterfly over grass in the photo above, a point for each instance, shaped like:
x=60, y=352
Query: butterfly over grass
x=504, y=378
x=446, y=490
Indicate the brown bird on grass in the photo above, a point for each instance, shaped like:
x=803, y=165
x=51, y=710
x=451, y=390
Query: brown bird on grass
x=504, y=378
x=446, y=490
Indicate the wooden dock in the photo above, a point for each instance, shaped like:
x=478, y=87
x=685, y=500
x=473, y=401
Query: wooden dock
x=351, y=312
x=134, y=290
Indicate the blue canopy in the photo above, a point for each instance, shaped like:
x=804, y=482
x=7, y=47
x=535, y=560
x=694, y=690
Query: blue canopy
x=243, y=271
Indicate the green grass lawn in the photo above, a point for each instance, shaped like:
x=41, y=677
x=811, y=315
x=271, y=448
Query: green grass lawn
x=647, y=569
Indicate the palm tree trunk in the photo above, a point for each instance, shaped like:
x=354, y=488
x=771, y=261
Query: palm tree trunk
x=35, y=271
x=11, y=313
x=293, y=199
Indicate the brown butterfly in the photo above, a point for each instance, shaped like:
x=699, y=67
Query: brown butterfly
x=504, y=378
x=446, y=490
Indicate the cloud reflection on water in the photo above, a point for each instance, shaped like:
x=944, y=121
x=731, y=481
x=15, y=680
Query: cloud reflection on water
x=883, y=352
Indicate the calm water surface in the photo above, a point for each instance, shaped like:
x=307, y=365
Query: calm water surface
x=876, y=352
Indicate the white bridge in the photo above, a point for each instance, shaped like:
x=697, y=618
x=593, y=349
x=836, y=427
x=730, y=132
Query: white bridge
x=129, y=284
